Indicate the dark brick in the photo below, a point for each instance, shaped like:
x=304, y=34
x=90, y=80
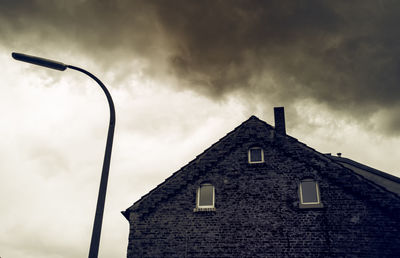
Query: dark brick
x=257, y=206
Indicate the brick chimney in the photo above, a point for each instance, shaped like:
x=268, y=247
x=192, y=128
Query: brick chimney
x=279, y=113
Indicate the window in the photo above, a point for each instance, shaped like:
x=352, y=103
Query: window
x=256, y=155
x=205, y=198
x=309, y=194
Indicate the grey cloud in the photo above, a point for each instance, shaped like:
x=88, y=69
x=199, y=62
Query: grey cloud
x=339, y=53
x=343, y=54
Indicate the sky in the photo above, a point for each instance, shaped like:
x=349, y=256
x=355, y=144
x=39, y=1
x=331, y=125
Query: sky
x=182, y=73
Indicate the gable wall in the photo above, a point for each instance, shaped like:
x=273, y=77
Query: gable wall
x=257, y=213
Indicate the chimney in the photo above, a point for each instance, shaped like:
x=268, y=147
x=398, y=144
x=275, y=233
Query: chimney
x=279, y=113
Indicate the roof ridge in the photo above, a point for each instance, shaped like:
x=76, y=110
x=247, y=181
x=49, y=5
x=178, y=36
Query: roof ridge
x=316, y=158
x=195, y=160
x=368, y=168
x=353, y=188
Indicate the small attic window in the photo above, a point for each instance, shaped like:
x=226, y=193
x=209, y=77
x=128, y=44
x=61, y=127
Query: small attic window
x=205, y=199
x=309, y=194
x=256, y=155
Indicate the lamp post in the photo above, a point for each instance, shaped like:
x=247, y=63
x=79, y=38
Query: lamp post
x=95, y=240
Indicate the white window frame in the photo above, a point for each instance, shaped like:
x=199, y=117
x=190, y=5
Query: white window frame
x=249, y=155
x=316, y=204
x=198, y=206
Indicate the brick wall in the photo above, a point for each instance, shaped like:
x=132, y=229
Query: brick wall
x=257, y=207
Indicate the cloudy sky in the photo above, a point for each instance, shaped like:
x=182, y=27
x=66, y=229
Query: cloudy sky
x=182, y=73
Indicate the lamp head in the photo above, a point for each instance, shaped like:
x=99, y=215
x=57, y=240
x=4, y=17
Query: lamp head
x=39, y=61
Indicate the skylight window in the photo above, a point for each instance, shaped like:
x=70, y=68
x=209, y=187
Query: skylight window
x=256, y=155
x=309, y=194
x=205, y=197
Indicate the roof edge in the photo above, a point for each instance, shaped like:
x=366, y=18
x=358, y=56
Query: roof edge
x=365, y=167
x=144, y=197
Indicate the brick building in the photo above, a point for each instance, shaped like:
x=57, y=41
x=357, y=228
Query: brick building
x=258, y=192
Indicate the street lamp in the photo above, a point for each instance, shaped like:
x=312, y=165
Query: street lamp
x=98, y=219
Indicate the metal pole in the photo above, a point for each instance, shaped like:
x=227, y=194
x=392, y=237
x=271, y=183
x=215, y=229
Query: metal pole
x=98, y=219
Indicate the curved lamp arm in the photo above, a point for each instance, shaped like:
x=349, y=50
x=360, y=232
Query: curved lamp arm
x=98, y=220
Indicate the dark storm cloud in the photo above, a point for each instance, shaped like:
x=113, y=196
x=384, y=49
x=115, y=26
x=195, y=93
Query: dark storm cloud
x=343, y=54
x=100, y=28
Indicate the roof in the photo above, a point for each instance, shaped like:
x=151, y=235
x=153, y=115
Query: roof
x=389, y=182
x=251, y=132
